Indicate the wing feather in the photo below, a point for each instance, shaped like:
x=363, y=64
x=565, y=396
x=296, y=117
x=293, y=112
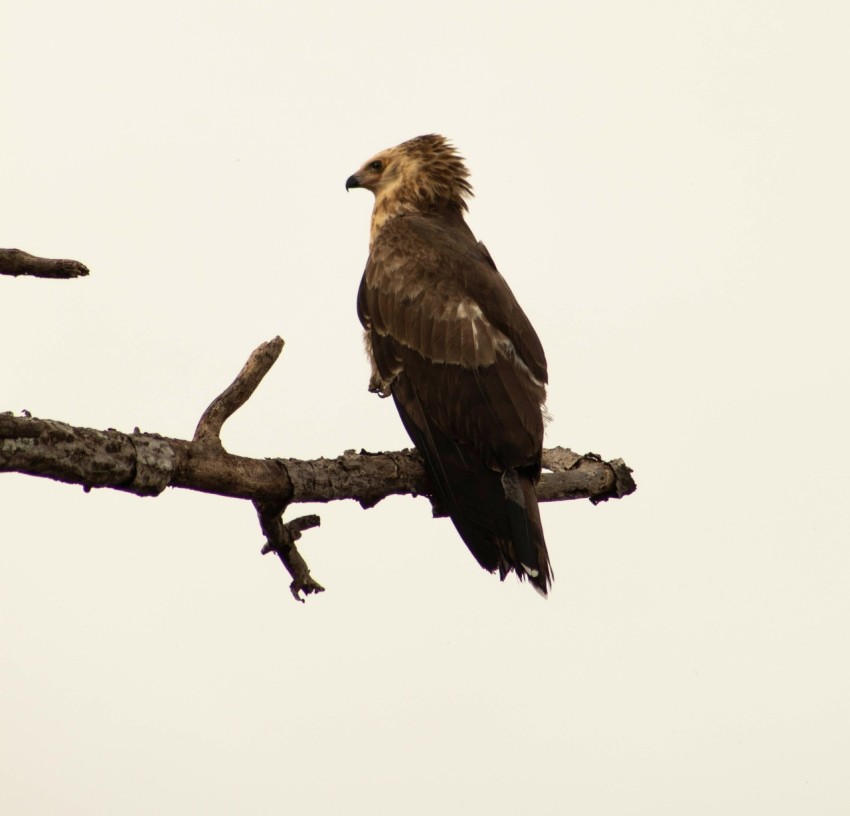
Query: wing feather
x=467, y=373
x=450, y=282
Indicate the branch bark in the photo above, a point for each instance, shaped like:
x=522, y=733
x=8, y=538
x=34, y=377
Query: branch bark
x=16, y=262
x=147, y=463
x=237, y=393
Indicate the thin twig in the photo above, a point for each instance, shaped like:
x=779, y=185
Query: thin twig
x=280, y=539
x=237, y=393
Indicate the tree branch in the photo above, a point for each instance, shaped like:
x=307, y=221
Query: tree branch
x=237, y=393
x=147, y=463
x=281, y=540
x=17, y=262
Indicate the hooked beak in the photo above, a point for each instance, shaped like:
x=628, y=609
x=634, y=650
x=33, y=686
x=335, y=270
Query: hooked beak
x=351, y=181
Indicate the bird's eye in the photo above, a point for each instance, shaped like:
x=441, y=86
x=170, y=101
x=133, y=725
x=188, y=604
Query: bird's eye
x=377, y=165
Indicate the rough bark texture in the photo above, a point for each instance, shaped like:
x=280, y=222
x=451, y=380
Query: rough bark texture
x=147, y=463
x=237, y=393
x=280, y=539
x=17, y=262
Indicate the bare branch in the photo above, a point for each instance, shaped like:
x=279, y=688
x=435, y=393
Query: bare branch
x=280, y=539
x=17, y=262
x=580, y=477
x=237, y=393
x=147, y=463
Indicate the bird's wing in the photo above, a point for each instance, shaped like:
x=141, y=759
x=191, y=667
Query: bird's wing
x=467, y=373
x=440, y=313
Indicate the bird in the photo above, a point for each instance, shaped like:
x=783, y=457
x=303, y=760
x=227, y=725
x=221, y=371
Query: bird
x=448, y=342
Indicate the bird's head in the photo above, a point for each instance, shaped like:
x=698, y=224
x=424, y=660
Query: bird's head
x=416, y=175
x=377, y=173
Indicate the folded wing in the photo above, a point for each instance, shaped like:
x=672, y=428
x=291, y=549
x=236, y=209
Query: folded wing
x=467, y=373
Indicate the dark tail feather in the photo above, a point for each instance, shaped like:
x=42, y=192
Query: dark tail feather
x=527, y=529
x=495, y=514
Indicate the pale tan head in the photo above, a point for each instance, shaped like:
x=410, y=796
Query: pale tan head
x=418, y=175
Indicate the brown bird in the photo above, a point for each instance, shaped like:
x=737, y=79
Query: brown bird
x=451, y=345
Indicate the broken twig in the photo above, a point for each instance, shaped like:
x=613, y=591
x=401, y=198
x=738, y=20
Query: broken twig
x=16, y=262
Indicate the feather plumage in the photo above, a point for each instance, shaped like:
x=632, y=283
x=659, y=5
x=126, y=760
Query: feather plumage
x=448, y=340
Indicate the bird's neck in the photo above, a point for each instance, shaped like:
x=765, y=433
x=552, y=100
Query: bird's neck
x=389, y=207
x=386, y=208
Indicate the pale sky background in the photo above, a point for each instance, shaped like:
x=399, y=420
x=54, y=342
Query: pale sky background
x=663, y=184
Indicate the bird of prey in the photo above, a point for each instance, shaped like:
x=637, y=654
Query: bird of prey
x=449, y=343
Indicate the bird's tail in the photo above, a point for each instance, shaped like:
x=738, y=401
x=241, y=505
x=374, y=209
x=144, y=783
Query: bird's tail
x=529, y=544
x=496, y=514
x=498, y=518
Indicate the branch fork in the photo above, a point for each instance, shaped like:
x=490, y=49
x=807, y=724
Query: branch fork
x=146, y=463
x=280, y=536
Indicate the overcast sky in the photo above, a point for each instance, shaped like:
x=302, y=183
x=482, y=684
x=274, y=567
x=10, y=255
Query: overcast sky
x=664, y=186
